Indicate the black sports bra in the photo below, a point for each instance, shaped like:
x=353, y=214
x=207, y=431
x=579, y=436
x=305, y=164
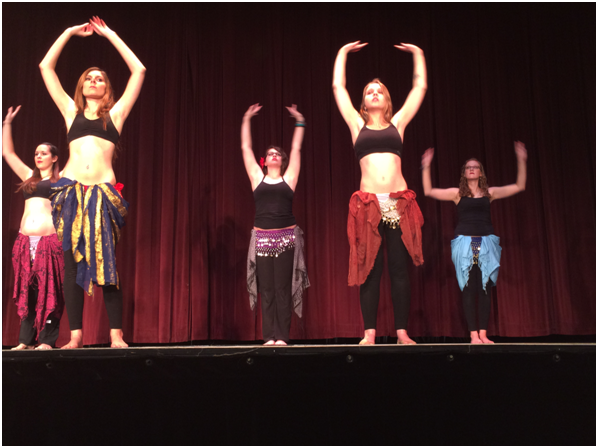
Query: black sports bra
x=43, y=190
x=370, y=141
x=81, y=126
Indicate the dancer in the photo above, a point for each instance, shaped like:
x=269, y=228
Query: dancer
x=86, y=194
x=37, y=255
x=475, y=251
x=275, y=265
x=384, y=207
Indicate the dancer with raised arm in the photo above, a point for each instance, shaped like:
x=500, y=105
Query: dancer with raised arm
x=275, y=265
x=37, y=255
x=88, y=210
x=475, y=251
x=384, y=207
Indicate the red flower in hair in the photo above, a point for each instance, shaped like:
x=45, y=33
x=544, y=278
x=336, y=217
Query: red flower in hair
x=262, y=162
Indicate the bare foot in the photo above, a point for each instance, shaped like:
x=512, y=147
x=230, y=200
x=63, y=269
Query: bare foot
x=475, y=338
x=43, y=347
x=268, y=343
x=116, y=336
x=403, y=338
x=483, y=338
x=76, y=340
x=280, y=342
x=23, y=347
x=369, y=337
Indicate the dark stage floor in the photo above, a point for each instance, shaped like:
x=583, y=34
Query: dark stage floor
x=303, y=394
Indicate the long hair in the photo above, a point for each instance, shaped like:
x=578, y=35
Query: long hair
x=30, y=184
x=464, y=189
x=285, y=160
x=106, y=104
x=388, y=113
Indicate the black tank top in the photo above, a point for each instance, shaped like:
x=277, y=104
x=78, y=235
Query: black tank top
x=273, y=205
x=43, y=190
x=378, y=141
x=81, y=126
x=474, y=217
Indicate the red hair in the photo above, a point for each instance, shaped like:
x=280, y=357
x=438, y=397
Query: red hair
x=388, y=114
x=107, y=102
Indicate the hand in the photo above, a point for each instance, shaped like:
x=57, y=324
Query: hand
x=520, y=151
x=100, y=27
x=84, y=30
x=353, y=47
x=252, y=110
x=409, y=48
x=427, y=158
x=11, y=114
x=295, y=113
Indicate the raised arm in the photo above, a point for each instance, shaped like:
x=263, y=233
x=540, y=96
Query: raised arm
x=520, y=185
x=403, y=117
x=450, y=194
x=293, y=170
x=48, y=68
x=342, y=98
x=255, y=173
x=15, y=163
x=122, y=108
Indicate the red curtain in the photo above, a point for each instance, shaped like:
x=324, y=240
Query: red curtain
x=496, y=73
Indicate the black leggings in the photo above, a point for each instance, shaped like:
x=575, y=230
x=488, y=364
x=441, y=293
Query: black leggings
x=274, y=281
x=397, y=256
x=28, y=333
x=471, y=290
x=74, y=297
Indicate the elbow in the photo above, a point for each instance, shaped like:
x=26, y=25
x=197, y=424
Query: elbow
x=521, y=187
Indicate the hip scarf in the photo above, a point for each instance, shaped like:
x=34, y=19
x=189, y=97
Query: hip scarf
x=273, y=243
x=88, y=220
x=463, y=250
x=363, y=233
x=46, y=266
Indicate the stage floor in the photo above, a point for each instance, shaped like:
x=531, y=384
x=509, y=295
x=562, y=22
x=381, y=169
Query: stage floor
x=303, y=394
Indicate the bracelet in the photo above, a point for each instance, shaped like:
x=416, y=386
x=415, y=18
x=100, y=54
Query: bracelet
x=300, y=123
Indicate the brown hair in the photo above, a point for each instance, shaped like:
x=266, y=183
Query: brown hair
x=464, y=189
x=105, y=105
x=30, y=184
x=284, y=159
x=389, y=107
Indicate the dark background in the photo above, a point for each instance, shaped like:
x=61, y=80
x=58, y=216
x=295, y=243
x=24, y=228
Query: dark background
x=496, y=73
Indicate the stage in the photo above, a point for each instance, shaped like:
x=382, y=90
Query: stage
x=303, y=394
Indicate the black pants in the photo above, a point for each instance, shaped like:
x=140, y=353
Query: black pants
x=74, y=297
x=28, y=333
x=370, y=291
x=274, y=281
x=471, y=290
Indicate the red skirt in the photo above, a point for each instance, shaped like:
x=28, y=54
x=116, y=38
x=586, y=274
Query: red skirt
x=48, y=269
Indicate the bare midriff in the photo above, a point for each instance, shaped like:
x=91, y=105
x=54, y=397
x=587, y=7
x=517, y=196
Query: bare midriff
x=37, y=218
x=381, y=174
x=90, y=161
x=277, y=229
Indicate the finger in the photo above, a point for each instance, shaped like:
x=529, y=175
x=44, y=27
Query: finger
x=17, y=109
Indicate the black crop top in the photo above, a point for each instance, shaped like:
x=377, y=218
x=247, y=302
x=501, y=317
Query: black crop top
x=378, y=141
x=474, y=217
x=43, y=190
x=273, y=205
x=81, y=126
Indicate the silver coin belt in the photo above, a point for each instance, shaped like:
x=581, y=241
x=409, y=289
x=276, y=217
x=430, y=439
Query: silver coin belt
x=476, y=242
x=389, y=211
x=273, y=243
